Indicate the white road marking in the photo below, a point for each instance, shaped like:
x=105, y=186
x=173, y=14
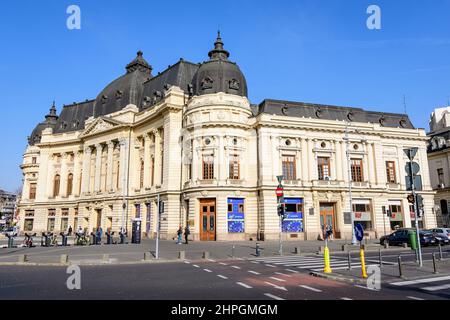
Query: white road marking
x=276, y=287
x=415, y=298
x=207, y=270
x=187, y=262
x=244, y=285
x=367, y=288
x=437, y=288
x=291, y=270
x=273, y=297
x=222, y=263
x=196, y=266
x=277, y=279
x=254, y=272
x=211, y=260
x=310, y=288
x=236, y=267
x=240, y=259
x=407, y=283
x=270, y=266
x=347, y=299
x=283, y=274
x=255, y=262
x=223, y=277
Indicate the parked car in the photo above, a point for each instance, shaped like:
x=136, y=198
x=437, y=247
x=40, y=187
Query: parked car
x=445, y=232
x=401, y=236
x=441, y=238
x=14, y=231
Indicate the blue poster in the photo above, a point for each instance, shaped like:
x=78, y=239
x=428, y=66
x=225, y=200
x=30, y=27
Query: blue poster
x=236, y=215
x=294, y=216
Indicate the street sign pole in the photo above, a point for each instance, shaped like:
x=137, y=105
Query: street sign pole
x=280, y=195
x=411, y=155
x=349, y=173
x=158, y=210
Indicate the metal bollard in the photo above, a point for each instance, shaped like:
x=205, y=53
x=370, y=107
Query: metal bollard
x=349, y=260
x=434, y=264
x=206, y=255
x=258, y=250
x=297, y=250
x=23, y=258
x=440, y=252
x=182, y=255
x=232, y=251
x=380, y=257
x=147, y=256
x=400, y=269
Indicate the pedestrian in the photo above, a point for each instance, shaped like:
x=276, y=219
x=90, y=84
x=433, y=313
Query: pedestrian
x=329, y=232
x=187, y=232
x=70, y=231
x=180, y=235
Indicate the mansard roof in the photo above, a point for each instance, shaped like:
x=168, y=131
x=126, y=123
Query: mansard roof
x=336, y=113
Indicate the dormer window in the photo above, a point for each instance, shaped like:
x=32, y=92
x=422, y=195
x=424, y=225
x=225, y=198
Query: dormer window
x=104, y=98
x=119, y=94
x=207, y=83
x=234, y=84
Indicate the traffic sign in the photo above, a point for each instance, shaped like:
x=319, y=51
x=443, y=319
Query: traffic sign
x=415, y=169
x=359, y=232
x=280, y=191
x=411, y=153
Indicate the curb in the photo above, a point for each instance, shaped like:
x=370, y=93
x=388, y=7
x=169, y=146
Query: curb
x=338, y=278
x=44, y=264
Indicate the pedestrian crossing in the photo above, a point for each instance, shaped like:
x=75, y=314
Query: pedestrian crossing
x=310, y=263
x=431, y=285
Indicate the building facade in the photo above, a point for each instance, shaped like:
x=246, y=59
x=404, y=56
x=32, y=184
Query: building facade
x=439, y=162
x=8, y=205
x=191, y=136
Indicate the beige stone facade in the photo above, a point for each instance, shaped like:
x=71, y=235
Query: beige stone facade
x=214, y=160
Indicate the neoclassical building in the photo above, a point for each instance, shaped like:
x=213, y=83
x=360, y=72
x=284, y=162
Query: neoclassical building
x=439, y=160
x=190, y=135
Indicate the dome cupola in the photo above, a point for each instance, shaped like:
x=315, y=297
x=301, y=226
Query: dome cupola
x=219, y=74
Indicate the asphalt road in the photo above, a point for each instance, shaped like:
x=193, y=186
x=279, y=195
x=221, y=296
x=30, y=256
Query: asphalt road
x=191, y=280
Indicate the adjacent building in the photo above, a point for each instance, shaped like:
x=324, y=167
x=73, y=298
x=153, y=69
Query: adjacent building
x=191, y=136
x=8, y=205
x=439, y=161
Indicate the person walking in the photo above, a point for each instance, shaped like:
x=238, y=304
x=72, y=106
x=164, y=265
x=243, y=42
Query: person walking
x=187, y=232
x=180, y=235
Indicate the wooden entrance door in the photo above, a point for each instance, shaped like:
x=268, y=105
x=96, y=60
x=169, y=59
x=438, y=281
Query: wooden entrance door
x=207, y=220
x=327, y=217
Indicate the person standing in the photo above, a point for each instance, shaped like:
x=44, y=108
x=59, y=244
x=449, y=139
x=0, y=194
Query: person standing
x=70, y=231
x=187, y=232
x=180, y=235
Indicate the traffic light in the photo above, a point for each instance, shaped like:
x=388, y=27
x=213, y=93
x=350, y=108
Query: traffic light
x=420, y=206
x=411, y=199
x=281, y=210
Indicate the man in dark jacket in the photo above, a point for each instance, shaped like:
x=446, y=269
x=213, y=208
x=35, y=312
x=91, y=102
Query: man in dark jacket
x=187, y=232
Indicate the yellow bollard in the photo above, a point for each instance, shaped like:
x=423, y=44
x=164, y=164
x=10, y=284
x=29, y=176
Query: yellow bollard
x=326, y=255
x=363, y=263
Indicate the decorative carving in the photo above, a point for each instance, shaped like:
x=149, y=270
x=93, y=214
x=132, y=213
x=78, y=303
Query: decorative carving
x=119, y=94
x=403, y=123
x=207, y=83
x=234, y=84
x=382, y=120
x=285, y=110
x=351, y=116
x=319, y=113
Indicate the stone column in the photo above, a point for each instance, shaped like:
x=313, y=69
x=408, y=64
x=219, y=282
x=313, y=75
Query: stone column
x=401, y=169
x=339, y=158
x=313, y=175
x=41, y=192
x=371, y=164
x=305, y=177
x=109, y=173
x=86, y=170
x=147, y=162
x=158, y=163
x=98, y=168
x=196, y=174
x=76, y=174
x=123, y=164
x=63, y=185
x=51, y=176
x=345, y=164
x=222, y=161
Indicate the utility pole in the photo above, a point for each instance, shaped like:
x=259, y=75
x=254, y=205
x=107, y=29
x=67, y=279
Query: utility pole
x=280, y=209
x=158, y=226
x=350, y=180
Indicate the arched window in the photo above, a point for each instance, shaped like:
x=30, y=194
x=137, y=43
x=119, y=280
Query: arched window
x=444, y=207
x=56, y=185
x=142, y=175
x=69, y=184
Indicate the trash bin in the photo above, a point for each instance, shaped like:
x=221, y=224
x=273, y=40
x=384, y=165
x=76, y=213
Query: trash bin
x=413, y=240
x=136, y=233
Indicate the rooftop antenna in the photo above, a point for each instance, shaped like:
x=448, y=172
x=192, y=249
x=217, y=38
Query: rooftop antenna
x=404, y=104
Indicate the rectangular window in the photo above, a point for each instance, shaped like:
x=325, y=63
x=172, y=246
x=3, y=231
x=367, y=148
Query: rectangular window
x=51, y=224
x=323, y=166
x=396, y=219
x=51, y=212
x=208, y=167
x=32, y=191
x=440, y=173
x=363, y=213
x=65, y=212
x=29, y=213
x=34, y=160
x=357, y=170
x=28, y=225
x=390, y=172
x=64, y=224
x=234, y=167
x=289, y=173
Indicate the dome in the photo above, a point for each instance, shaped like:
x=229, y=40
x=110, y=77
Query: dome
x=125, y=90
x=50, y=122
x=219, y=74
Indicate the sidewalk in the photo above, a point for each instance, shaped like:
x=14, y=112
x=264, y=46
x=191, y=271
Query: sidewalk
x=169, y=251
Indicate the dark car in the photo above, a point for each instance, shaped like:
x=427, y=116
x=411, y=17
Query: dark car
x=440, y=239
x=401, y=236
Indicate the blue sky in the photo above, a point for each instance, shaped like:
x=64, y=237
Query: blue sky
x=304, y=50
